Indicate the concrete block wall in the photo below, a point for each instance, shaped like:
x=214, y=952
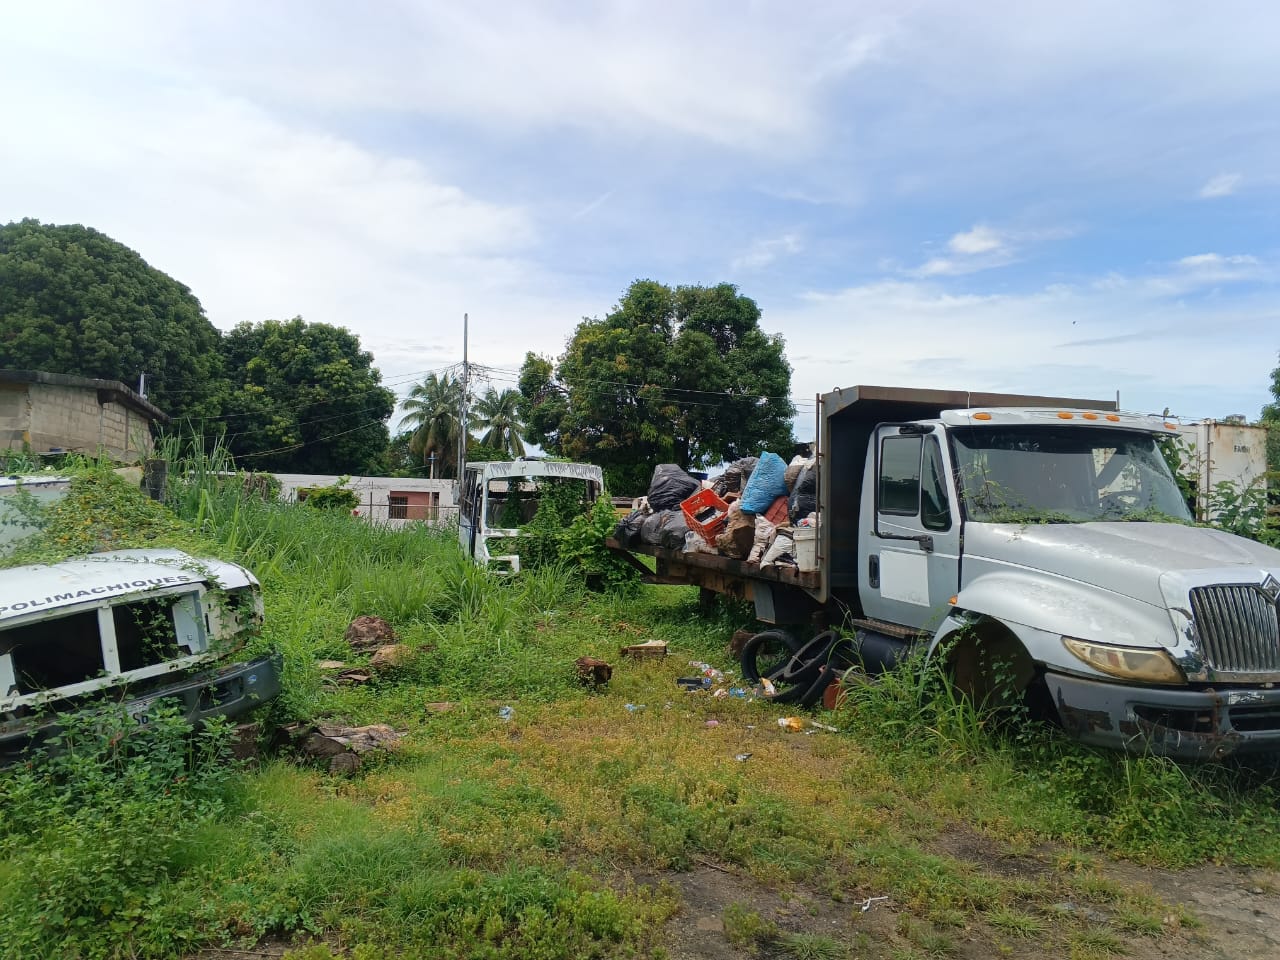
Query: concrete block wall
x=15, y=416
x=71, y=418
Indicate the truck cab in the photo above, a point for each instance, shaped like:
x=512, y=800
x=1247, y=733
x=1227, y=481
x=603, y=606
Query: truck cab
x=496, y=499
x=1051, y=546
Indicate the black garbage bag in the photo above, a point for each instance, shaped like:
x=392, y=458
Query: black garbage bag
x=804, y=498
x=735, y=476
x=670, y=486
x=674, y=529
x=651, y=528
x=627, y=532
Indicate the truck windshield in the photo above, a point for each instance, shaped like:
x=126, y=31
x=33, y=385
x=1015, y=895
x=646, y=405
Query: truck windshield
x=1064, y=475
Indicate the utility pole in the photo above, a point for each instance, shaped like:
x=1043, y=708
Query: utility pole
x=462, y=413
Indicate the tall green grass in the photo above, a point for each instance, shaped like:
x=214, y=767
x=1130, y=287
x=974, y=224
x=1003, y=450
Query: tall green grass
x=1031, y=777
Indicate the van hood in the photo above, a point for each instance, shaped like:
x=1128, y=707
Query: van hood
x=1124, y=558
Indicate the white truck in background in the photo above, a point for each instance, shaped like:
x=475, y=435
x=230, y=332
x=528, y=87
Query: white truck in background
x=1216, y=451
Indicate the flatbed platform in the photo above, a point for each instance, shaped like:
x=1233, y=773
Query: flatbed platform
x=676, y=566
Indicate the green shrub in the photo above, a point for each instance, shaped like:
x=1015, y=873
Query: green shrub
x=91, y=828
x=336, y=497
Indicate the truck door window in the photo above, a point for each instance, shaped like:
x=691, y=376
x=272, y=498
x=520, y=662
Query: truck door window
x=900, y=476
x=935, y=507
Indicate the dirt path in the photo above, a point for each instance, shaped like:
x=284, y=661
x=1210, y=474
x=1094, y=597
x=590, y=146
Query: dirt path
x=1239, y=909
x=1234, y=915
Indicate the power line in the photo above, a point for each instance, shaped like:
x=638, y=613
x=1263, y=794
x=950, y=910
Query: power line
x=307, y=443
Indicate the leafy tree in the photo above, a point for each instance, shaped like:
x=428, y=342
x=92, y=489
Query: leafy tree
x=1271, y=412
x=72, y=300
x=499, y=415
x=431, y=412
x=398, y=461
x=482, y=453
x=680, y=375
x=304, y=398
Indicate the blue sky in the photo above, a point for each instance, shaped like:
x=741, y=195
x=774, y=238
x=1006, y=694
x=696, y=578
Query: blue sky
x=997, y=196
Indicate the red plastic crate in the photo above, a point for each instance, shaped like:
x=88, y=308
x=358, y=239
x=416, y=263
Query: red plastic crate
x=777, y=512
x=706, y=514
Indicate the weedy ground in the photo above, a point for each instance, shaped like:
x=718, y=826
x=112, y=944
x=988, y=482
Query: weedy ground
x=592, y=823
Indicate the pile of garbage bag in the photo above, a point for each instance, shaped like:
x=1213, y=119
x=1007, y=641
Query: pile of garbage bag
x=749, y=512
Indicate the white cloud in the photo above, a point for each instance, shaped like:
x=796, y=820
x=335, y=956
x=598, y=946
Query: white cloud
x=981, y=239
x=263, y=218
x=764, y=252
x=1200, y=260
x=618, y=68
x=1085, y=340
x=984, y=247
x=1223, y=185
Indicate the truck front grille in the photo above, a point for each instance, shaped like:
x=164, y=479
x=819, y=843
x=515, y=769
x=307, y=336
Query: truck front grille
x=1238, y=627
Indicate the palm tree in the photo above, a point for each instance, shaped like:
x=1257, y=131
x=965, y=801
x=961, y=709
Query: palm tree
x=498, y=414
x=431, y=411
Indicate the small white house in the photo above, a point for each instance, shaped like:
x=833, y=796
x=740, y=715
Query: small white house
x=391, y=500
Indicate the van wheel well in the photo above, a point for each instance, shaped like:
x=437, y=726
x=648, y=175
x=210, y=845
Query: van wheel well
x=989, y=665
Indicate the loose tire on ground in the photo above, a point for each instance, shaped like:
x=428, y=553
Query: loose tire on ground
x=766, y=652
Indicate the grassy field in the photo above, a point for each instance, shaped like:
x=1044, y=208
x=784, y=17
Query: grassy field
x=590, y=823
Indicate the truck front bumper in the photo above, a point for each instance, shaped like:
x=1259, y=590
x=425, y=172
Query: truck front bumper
x=228, y=691
x=1170, y=722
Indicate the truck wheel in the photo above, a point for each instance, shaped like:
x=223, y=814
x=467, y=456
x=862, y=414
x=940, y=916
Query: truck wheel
x=766, y=652
x=990, y=667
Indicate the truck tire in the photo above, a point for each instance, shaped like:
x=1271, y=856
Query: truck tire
x=805, y=675
x=766, y=652
x=827, y=675
x=992, y=669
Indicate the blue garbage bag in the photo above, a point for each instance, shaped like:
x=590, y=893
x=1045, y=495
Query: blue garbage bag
x=766, y=485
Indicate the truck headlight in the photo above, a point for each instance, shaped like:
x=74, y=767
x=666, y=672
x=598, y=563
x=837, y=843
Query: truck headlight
x=1127, y=663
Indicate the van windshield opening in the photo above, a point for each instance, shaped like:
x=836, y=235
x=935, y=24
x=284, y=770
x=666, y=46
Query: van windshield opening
x=1065, y=475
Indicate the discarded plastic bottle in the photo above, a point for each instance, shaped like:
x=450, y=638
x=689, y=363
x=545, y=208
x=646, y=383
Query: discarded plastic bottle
x=633, y=707
x=506, y=713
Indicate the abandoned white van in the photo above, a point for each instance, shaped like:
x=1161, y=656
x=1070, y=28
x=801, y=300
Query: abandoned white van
x=139, y=626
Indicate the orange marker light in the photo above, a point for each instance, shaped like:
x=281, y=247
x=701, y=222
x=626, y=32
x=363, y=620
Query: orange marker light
x=953, y=600
x=982, y=416
x=1063, y=415
x=1171, y=426
x=1089, y=416
x=1113, y=418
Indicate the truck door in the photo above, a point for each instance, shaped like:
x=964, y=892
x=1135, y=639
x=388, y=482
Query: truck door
x=910, y=552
